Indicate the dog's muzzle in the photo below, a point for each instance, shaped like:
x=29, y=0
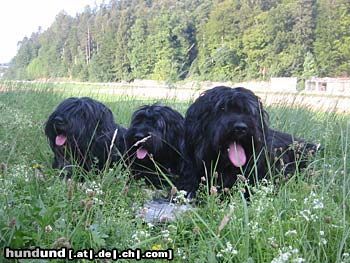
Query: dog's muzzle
x=240, y=128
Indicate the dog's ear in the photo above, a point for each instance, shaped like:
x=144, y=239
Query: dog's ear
x=174, y=122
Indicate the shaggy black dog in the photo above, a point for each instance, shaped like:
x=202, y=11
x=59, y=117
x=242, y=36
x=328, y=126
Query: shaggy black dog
x=227, y=134
x=287, y=153
x=80, y=132
x=155, y=144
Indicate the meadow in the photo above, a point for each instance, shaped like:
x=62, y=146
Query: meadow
x=303, y=219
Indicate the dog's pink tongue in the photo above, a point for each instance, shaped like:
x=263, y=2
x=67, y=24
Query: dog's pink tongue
x=60, y=140
x=236, y=154
x=141, y=153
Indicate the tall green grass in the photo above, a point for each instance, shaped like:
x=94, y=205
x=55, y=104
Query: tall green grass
x=304, y=219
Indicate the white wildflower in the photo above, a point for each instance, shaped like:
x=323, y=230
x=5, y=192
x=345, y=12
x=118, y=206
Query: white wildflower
x=254, y=229
x=298, y=260
x=290, y=232
x=317, y=204
x=323, y=241
x=305, y=214
x=229, y=249
x=48, y=228
x=180, y=197
x=165, y=233
x=287, y=254
x=282, y=257
x=314, y=218
x=97, y=201
x=180, y=253
x=139, y=235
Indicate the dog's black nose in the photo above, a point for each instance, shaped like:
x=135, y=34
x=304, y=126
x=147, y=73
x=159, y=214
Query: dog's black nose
x=240, y=127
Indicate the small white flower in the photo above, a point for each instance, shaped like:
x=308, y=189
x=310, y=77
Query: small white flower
x=298, y=260
x=97, y=201
x=139, y=235
x=271, y=239
x=317, y=204
x=290, y=232
x=287, y=254
x=314, y=218
x=323, y=241
x=228, y=250
x=180, y=197
x=305, y=214
x=180, y=253
x=48, y=228
x=165, y=233
x=282, y=258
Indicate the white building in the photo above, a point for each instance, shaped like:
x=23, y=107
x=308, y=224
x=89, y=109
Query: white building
x=328, y=85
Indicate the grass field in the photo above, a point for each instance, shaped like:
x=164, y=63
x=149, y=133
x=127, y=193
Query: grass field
x=304, y=219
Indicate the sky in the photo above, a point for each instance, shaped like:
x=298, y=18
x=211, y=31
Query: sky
x=19, y=18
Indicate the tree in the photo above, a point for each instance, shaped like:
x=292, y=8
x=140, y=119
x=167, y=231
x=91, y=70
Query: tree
x=332, y=48
x=220, y=55
x=205, y=39
x=141, y=60
x=310, y=67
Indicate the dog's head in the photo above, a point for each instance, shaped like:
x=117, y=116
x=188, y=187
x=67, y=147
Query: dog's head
x=74, y=125
x=153, y=130
x=226, y=121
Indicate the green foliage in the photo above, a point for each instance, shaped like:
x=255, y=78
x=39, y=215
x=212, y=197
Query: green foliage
x=37, y=69
x=100, y=65
x=173, y=40
x=310, y=67
x=141, y=59
x=332, y=44
x=170, y=47
x=220, y=44
x=255, y=44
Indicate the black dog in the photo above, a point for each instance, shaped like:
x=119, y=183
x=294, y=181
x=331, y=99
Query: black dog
x=80, y=132
x=227, y=131
x=155, y=144
x=288, y=154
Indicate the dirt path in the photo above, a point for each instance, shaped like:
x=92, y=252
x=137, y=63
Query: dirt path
x=315, y=101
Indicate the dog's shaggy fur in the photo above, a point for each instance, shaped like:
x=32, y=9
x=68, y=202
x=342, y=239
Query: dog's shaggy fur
x=227, y=132
x=155, y=144
x=288, y=154
x=80, y=132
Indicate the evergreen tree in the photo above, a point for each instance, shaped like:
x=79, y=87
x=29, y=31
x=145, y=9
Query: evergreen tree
x=206, y=39
x=310, y=67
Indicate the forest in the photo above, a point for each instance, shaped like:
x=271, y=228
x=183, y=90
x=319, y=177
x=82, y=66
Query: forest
x=218, y=40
